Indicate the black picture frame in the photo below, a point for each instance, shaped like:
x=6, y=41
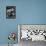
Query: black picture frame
x=10, y=12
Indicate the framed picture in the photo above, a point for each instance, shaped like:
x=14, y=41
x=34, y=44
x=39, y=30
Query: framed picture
x=10, y=12
x=32, y=32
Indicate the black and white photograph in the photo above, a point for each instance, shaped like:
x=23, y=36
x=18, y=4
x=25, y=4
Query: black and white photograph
x=31, y=34
x=10, y=12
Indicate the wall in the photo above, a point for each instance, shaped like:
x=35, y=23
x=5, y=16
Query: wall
x=27, y=12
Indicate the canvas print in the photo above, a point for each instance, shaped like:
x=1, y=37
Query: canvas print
x=10, y=12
